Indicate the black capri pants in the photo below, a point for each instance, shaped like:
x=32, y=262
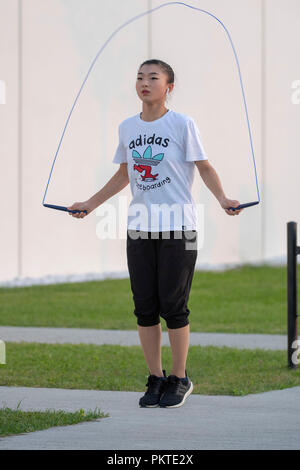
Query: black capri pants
x=161, y=272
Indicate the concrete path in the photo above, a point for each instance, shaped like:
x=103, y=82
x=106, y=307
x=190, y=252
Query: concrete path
x=268, y=420
x=128, y=337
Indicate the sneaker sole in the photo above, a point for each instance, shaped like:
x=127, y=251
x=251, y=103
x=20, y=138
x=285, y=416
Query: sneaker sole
x=149, y=406
x=183, y=400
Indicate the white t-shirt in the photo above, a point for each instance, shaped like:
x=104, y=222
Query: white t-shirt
x=160, y=156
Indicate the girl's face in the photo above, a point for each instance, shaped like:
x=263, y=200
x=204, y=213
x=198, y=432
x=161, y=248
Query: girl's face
x=151, y=78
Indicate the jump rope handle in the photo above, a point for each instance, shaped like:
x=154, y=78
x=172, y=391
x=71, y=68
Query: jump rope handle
x=63, y=208
x=241, y=206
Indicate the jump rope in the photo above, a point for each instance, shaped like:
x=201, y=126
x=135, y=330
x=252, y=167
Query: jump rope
x=241, y=206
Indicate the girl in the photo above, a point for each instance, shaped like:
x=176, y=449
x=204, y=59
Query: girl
x=157, y=152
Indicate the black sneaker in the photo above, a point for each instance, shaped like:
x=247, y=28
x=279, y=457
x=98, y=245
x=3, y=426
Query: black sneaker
x=155, y=389
x=176, y=392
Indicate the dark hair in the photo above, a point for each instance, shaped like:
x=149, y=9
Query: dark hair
x=164, y=66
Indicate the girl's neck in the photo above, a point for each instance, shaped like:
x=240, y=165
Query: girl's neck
x=152, y=113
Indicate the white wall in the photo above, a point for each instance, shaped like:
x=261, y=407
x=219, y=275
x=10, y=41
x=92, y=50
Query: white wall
x=46, y=49
x=9, y=140
x=282, y=119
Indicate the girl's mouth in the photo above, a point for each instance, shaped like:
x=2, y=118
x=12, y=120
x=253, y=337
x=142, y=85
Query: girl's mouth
x=144, y=92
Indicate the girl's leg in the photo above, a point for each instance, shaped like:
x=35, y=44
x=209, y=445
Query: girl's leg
x=176, y=264
x=150, y=337
x=142, y=266
x=179, y=341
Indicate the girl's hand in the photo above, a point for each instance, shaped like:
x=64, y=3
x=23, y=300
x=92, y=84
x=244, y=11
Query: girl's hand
x=81, y=206
x=225, y=202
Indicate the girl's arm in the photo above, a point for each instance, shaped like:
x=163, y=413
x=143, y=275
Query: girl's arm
x=213, y=182
x=118, y=181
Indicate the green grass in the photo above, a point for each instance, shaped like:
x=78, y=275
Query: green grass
x=248, y=299
x=214, y=371
x=17, y=421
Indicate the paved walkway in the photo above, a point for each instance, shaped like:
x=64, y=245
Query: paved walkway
x=269, y=420
x=129, y=337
